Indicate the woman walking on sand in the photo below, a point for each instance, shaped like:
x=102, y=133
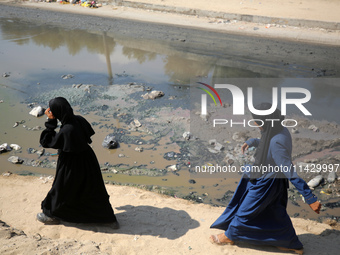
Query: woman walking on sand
x=78, y=193
x=257, y=212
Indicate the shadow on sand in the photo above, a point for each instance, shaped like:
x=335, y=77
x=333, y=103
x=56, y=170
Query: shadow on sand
x=145, y=220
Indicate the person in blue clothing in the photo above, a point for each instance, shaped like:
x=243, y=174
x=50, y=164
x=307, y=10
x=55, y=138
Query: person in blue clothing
x=257, y=212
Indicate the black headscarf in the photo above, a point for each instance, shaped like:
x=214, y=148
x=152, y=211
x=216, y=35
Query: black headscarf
x=61, y=109
x=270, y=129
x=81, y=129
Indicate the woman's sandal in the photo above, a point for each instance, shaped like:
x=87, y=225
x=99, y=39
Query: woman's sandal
x=215, y=240
x=298, y=251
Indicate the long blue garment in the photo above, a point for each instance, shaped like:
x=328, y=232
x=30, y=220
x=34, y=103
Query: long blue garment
x=257, y=212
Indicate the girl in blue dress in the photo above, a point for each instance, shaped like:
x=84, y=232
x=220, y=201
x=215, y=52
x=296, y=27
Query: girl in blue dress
x=257, y=212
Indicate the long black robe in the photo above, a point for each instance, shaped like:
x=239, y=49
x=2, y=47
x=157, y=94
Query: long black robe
x=78, y=193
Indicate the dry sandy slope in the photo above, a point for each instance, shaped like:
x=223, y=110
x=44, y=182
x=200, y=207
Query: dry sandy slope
x=150, y=224
x=325, y=10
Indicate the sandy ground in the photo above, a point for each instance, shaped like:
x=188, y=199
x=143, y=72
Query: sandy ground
x=150, y=224
x=325, y=11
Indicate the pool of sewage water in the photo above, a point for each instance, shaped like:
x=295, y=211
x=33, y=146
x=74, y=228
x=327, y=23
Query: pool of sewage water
x=36, y=60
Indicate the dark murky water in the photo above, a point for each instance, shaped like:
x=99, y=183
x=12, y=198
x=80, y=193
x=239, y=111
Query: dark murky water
x=36, y=57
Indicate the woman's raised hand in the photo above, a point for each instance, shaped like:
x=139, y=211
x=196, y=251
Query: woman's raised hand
x=49, y=113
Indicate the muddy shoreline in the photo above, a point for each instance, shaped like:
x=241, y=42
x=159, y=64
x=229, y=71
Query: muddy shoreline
x=164, y=120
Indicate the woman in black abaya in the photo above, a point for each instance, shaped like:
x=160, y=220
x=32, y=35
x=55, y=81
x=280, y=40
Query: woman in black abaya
x=78, y=193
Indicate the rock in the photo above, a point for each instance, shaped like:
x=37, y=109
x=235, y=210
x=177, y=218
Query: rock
x=315, y=181
x=331, y=177
x=37, y=111
x=230, y=161
x=212, y=141
x=67, y=76
x=104, y=107
x=4, y=148
x=192, y=181
x=110, y=142
x=314, y=128
x=295, y=131
x=187, y=135
x=77, y=86
x=139, y=149
x=5, y=75
x=153, y=94
x=314, y=160
x=36, y=128
x=15, y=146
x=15, y=160
x=31, y=150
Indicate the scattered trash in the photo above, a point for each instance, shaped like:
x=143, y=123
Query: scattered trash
x=110, y=142
x=187, y=135
x=15, y=160
x=6, y=174
x=139, y=149
x=295, y=131
x=327, y=191
x=37, y=111
x=5, y=75
x=4, y=148
x=218, y=147
x=153, y=94
x=314, y=128
x=136, y=123
x=41, y=152
x=315, y=181
x=173, y=168
x=15, y=146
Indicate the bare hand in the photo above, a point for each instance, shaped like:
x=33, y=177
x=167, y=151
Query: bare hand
x=244, y=147
x=316, y=206
x=49, y=114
